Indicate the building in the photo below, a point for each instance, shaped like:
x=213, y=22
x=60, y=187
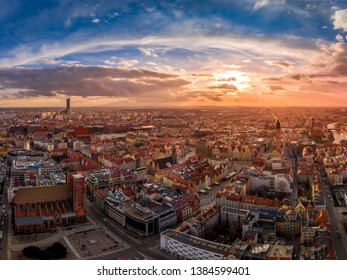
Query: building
x=289, y=224
x=280, y=252
x=185, y=246
x=204, y=221
x=79, y=197
x=231, y=216
x=307, y=235
x=142, y=220
x=201, y=147
x=67, y=110
x=41, y=209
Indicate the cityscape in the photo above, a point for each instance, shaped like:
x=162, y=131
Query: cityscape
x=173, y=130
x=185, y=183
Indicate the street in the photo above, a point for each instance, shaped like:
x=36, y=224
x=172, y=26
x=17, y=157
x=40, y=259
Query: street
x=6, y=230
x=339, y=243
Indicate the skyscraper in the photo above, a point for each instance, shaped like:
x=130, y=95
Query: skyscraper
x=67, y=106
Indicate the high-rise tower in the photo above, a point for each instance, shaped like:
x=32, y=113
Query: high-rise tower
x=67, y=106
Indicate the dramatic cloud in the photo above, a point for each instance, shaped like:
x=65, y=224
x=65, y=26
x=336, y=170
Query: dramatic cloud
x=339, y=59
x=216, y=52
x=339, y=20
x=333, y=60
x=89, y=81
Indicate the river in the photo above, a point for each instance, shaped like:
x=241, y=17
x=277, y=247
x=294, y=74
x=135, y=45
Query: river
x=337, y=136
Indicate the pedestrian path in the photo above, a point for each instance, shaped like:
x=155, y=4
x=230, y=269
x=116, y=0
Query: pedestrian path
x=53, y=238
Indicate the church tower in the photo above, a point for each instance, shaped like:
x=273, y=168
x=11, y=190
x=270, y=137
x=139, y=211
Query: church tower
x=79, y=197
x=174, y=154
x=278, y=134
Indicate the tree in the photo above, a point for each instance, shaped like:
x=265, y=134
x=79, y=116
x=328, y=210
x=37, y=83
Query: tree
x=54, y=252
x=32, y=252
x=59, y=250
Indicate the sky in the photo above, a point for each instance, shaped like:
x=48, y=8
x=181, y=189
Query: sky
x=173, y=53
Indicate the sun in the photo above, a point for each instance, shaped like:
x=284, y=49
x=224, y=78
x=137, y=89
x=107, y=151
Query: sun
x=237, y=78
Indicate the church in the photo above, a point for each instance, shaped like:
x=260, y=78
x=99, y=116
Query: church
x=43, y=208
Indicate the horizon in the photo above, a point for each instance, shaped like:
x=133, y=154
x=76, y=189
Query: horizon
x=138, y=53
x=179, y=107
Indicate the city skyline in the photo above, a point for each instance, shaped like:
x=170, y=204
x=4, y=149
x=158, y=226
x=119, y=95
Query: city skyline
x=173, y=53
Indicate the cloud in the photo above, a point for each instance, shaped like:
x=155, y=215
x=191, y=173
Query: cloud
x=109, y=62
x=339, y=38
x=148, y=52
x=246, y=61
x=202, y=75
x=260, y=4
x=272, y=79
x=218, y=97
x=275, y=88
x=296, y=77
x=282, y=64
x=226, y=79
x=89, y=81
x=335, y=57
x=52, y=61
x=339, y=19
x=224, y=86
x=260, y=45
x=128, y=62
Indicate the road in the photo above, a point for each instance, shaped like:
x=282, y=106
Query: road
x=188, y=155
x=338, y=243
x=6, y=229
x=207, y=200
x=294, y=196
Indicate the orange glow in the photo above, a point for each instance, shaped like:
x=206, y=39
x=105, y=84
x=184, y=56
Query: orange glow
x=239, y=79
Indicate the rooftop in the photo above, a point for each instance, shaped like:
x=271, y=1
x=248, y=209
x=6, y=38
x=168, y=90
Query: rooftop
x=193, y=241
x=42, y=194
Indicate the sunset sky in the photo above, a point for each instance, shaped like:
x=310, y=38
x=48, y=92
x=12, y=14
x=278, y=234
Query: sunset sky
x=173, y=53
